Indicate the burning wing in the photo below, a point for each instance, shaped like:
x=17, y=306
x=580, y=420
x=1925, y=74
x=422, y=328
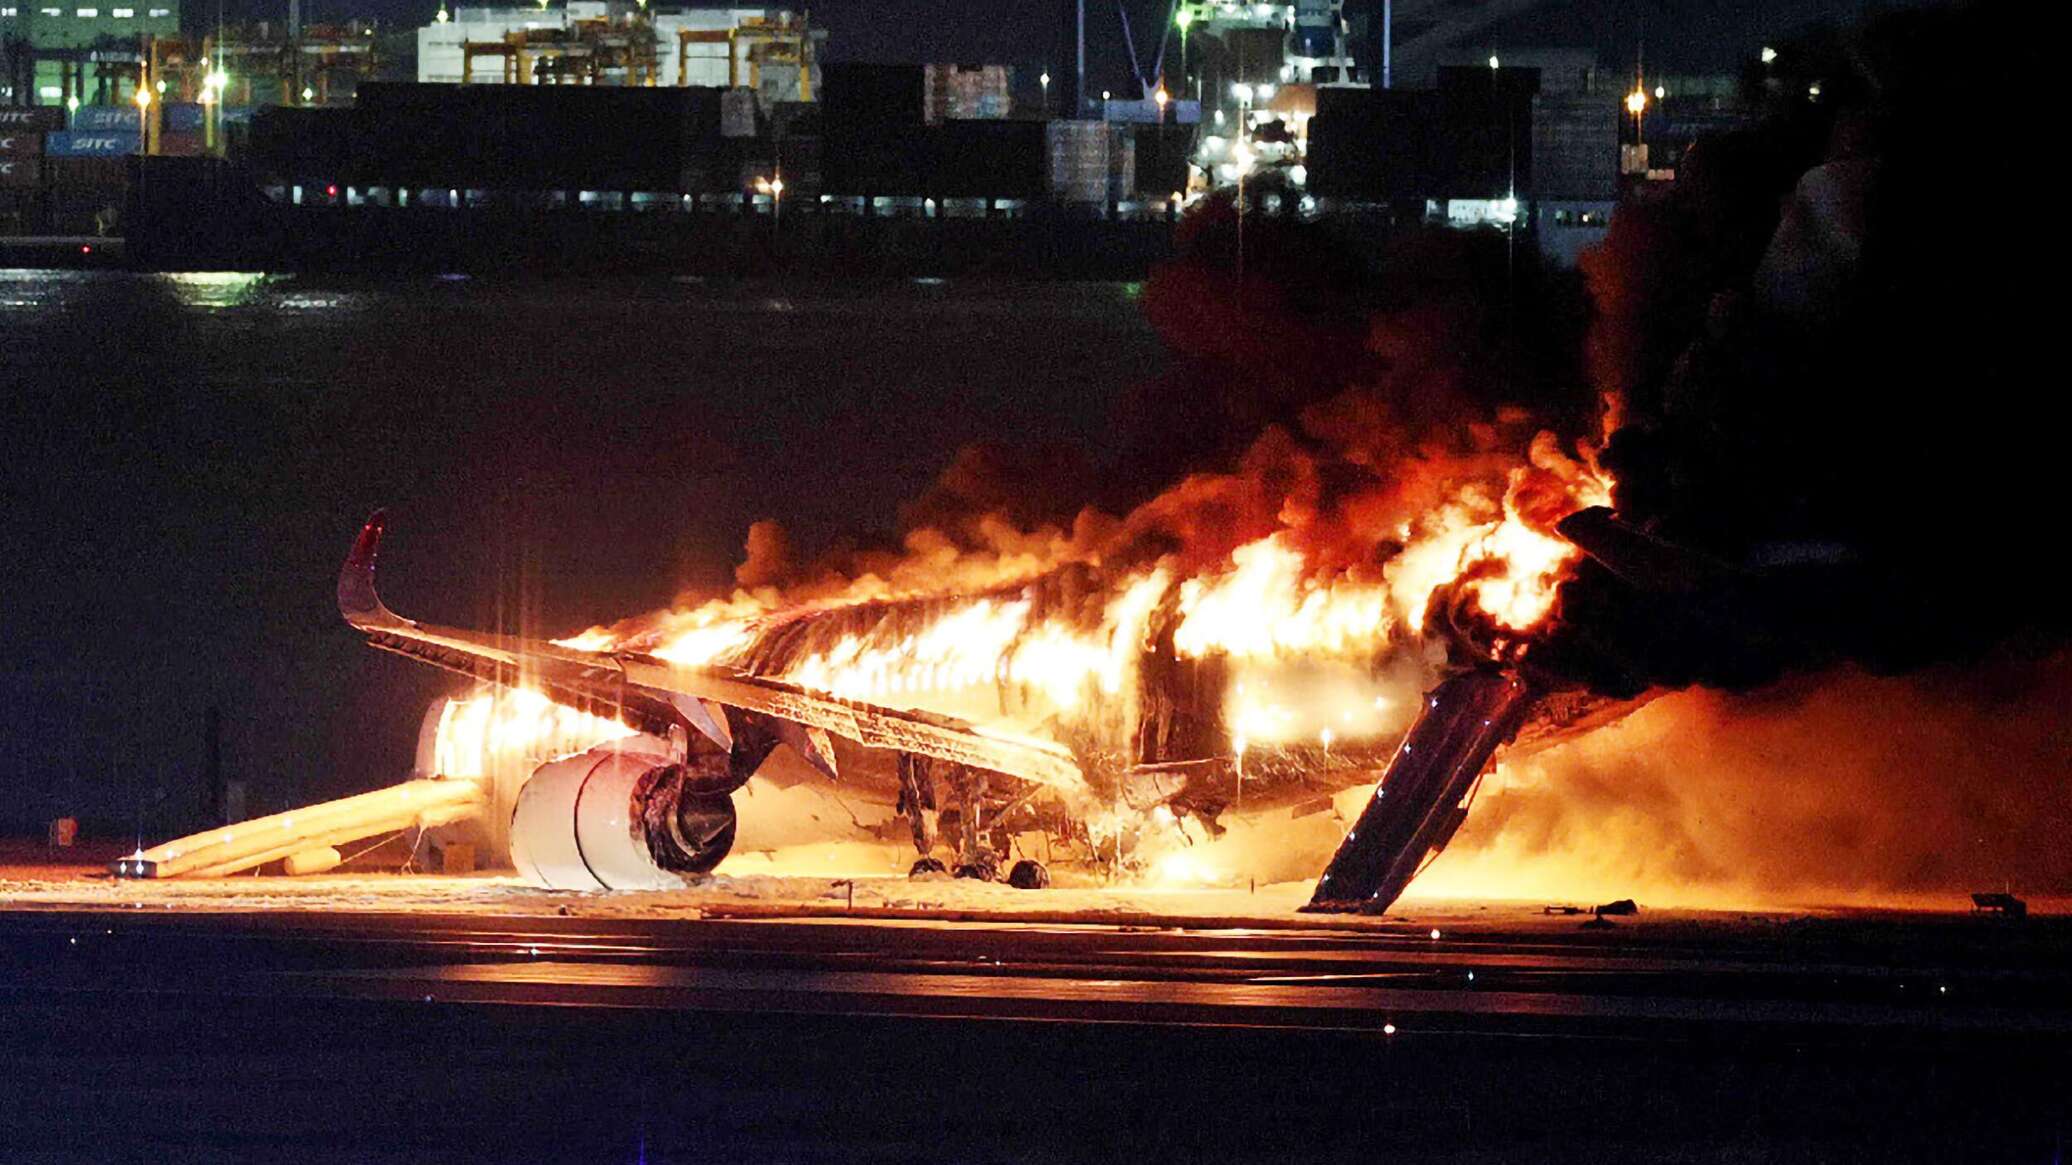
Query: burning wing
x=668, y=700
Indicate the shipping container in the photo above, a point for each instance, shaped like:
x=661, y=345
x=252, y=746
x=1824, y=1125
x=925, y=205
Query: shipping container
x=1090, y=161
x=180, y=145
x=737, y=113
x=103, y=173
x=33, y=118
x=871, y=97
x=20, y=171
x=1378, y=144
x=1162, y=158
x=966, y=92
x=99, y=118
x=522, y=136
x=1575, y=146
x=987, y=159
x=871, y=129
x=96, y=144
x=184, y=117
x=1147, y=111
x=20, y=143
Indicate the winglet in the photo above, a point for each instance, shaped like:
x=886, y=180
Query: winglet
x=357, y=599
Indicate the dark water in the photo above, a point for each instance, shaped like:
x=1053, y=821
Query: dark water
x=187, y=457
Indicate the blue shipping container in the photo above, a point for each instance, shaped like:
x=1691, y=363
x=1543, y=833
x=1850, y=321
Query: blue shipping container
x=105, y=117
x=1146, y=112
x=108, y=144
x=184, y=117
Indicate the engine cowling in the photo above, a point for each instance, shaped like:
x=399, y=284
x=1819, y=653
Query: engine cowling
x=620, y=816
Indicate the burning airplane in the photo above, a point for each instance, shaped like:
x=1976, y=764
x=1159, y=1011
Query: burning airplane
x=1103, y=693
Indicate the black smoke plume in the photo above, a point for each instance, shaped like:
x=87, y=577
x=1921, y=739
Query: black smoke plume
x=1833, y=374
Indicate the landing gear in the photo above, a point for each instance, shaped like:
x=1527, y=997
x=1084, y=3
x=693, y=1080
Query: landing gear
x=964, y=819
x=981, y=867
x=917, y=802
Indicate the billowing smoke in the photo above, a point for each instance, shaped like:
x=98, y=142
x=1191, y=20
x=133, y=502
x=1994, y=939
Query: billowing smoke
x=1828, y=389
x=1828, y=384
x=1834, y=786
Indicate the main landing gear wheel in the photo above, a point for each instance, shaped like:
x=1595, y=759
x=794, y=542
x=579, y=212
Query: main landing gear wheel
x=983, y=868
x=1028, y=875
x=926, y=866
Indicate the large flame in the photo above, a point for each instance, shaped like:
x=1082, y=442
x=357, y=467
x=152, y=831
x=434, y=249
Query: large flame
x=494, y=734
x=1033, y=640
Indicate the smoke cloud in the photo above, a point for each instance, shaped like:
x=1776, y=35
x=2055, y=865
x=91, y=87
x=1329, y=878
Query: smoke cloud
x=1834, y=787
x=1820, y=375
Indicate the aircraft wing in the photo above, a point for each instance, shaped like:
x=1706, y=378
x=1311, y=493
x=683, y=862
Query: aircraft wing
x=655, y=695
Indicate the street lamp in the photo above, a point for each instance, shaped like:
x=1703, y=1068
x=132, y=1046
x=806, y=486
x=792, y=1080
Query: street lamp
x=1637, y=104
x=143, y=119
x=773, y=187
x=1044, y=81
x=213, y=86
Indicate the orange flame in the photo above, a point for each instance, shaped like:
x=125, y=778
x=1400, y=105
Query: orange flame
x=512, y=731
x=1307, y=645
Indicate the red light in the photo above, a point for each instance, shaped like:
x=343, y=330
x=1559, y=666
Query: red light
x=86, y=250
x=331, y=190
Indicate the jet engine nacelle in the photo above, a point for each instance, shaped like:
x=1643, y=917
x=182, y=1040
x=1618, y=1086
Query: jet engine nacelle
x=621, y=816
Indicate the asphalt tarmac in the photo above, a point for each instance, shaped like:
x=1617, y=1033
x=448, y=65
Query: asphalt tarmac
x=307, y=1035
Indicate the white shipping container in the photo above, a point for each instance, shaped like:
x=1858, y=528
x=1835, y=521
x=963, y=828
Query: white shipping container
x=1091, y=161
x=737, y=113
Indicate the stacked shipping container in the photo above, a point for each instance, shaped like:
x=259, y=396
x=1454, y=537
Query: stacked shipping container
x=59, y=181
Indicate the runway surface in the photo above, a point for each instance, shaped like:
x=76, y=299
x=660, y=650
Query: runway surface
x=407, y=1036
